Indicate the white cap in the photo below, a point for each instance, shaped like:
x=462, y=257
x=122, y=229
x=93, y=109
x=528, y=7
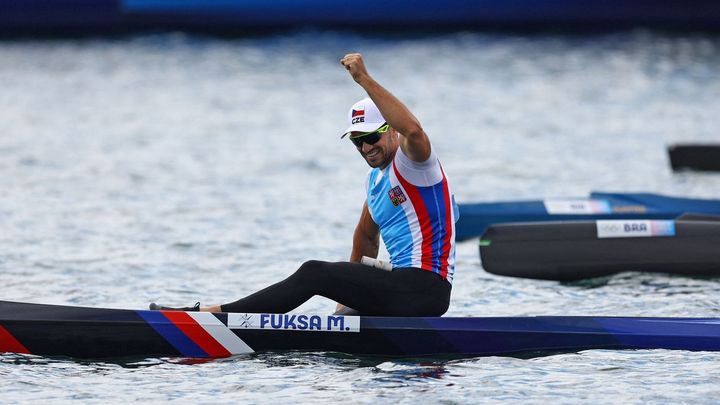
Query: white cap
x=364, y=116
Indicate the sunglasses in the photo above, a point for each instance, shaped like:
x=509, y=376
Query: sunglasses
x=369, y=138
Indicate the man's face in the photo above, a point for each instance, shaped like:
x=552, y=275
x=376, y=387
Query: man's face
x=380, y=153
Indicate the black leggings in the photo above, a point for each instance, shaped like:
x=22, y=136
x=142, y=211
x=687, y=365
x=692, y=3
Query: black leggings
x=370, y=291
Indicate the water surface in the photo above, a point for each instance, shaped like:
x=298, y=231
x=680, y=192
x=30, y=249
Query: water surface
x=179, y=168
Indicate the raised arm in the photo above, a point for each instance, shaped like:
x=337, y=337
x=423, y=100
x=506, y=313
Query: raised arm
x=413, y=141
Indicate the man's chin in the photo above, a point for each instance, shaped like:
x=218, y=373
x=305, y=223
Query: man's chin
x=374, y=163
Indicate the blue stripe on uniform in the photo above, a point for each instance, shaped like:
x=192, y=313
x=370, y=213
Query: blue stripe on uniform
x=434, y=202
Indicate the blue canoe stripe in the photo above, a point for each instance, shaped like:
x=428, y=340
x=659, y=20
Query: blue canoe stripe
x=172, y=334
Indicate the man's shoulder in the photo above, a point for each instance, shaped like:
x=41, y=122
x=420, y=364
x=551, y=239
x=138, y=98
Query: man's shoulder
x=401, y=159
x=423, y=174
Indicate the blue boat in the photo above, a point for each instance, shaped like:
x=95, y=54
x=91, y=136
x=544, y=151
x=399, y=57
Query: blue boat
x=475, y=218
x=240, y=15
x=55, y=330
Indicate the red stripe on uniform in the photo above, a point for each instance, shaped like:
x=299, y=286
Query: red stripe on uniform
x=196, y=333
x=9, y=344
x=444, y=266
x=424, y=219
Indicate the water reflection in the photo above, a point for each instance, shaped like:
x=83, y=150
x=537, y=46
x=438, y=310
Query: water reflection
x=409, y=370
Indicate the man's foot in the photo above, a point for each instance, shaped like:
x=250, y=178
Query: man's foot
x=156, y=307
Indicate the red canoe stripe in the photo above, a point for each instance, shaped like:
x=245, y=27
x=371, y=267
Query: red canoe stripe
x=196, y=333
x=9, y=344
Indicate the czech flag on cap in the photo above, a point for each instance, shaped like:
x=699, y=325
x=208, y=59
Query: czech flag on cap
x=363, y=116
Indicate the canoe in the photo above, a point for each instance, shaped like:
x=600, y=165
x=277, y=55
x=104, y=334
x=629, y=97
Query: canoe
x=240, y=15
x=81, y=332
x=475, y=218
x=574, y=250
x=695, y=157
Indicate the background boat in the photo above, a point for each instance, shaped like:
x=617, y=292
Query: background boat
x=574, y=250
x=475, y=218
x=234, y=15
x=703, y=157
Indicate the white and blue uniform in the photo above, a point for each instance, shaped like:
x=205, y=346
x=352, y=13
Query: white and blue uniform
x=415, y=210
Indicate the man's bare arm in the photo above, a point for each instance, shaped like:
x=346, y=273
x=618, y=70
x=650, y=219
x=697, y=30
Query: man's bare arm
x=414, y=141
x=366, y=240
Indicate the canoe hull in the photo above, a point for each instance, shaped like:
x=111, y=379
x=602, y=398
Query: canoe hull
x=476, y=218
x=695, y=157
x=52, y=330
x=568, y=251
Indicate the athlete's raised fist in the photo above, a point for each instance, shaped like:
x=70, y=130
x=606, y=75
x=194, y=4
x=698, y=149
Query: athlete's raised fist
x=355, y=65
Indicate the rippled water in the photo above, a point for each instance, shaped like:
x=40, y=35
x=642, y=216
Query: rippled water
x=181, y=168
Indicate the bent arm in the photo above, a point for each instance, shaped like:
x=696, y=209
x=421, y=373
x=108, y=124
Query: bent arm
x=366, y=241
x=413, y=141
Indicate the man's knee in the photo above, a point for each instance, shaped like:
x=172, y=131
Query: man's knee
x=310, y=267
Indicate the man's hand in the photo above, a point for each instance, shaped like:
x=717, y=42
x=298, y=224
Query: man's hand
x=354, y=64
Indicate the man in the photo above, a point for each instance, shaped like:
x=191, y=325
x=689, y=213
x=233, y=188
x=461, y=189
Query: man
x=409, y=203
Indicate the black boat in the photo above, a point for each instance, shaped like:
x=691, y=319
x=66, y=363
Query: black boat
x=57, y=330
x=695, y=157
x=574, y=250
